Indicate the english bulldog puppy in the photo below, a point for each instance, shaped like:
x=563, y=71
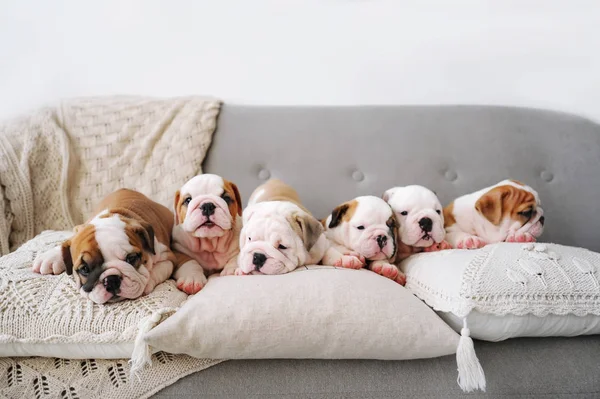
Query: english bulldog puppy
x=121, y=252
x=279, y=233
x=421, y=221
x=208, y=220
x=508, y=211
x=362, y=232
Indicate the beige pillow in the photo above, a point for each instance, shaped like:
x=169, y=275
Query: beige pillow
x=316, y=312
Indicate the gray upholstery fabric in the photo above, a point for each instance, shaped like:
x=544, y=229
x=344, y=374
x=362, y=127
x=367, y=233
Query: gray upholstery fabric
x=333, y=154
x=524, y=368
x=324, y=152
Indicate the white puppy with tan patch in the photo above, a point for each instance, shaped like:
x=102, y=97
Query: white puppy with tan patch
x=508, y=211
x=421, y=221
x=208, y=221
x=279, y=234
x=362, y=233
x=121, y=252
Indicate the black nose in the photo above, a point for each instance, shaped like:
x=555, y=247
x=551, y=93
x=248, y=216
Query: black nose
x=542, y=219
x=208, y=208
x=258, y=259
x=112, y=284
x=426, y=224
x=381, y=241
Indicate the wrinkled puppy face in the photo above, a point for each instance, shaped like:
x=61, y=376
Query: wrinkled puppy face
x=109, y=257
x=365, y=225
x=207, y=206
x=276, y=238
x=512, y=207
x=419, y=214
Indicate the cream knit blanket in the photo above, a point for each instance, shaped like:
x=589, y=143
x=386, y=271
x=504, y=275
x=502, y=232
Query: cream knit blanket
x=58, y=163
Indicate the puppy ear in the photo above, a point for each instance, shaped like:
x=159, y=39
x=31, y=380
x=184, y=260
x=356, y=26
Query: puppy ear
x=337, y=215
x=386, y=196
x=238, y=198
x=175, y=208
x=66, y=254
x=146, y=234
x=310, y=228
x=490, y=205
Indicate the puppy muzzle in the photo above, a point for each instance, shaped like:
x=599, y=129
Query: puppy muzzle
x=119, y=280
x=207, y=216
x=376, y=244
x=260, y=256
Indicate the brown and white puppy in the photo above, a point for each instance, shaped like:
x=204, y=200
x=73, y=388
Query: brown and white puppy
x=121, y=252
x=362, y=232
x=208, y=220
x=421, y=221
x=279, y=233
x=508, y=211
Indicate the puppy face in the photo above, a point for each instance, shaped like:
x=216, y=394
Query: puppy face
x=512, y=207
x=419, y=215
x=365, y=225
x=109, y=257
x=207, y=206
x=276, y=238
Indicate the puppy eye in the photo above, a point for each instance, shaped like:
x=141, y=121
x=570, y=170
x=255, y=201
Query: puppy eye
x=360, y=227
x=187, y=201
x=227, y=198
x=438, y=211
x=404, y=213
x=282, y=246
x=527, y=213
x=84, y=269
x=132, y=258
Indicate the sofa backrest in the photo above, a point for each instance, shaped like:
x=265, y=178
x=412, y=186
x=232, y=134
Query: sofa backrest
x=332, y=154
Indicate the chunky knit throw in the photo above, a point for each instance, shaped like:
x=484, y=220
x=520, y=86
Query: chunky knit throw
x=58, y=163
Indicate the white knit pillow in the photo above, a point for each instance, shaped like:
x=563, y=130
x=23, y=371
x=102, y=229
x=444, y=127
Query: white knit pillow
x=510, y=290
x=46, y=315
x=315, y=312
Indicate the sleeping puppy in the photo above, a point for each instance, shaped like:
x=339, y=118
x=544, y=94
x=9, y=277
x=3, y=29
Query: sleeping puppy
x=121, y=252
x=279, y=234
x=421, y=222
x=208, y=221
x=508, y=211
x=362, y=233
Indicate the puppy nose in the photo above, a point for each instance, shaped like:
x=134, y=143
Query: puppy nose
x=426, y=224
x=258, y=259
x=112, y=284
x=208, y=208
x=542, y=219
x=381, y=241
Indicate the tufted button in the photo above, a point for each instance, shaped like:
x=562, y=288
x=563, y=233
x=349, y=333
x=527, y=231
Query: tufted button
x=264, y=174
x=357, y=175
x=547, y=176
x=450, y=175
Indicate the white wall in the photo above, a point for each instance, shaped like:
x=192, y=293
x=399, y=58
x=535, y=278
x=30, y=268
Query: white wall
x=524, y=52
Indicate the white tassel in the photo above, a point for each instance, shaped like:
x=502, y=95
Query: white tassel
x=470, y=373
x=142, y=354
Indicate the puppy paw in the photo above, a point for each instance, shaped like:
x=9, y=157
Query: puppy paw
x=230, y=271
x=150, y=285
x=520, y=237
x=240, y=272
x=350, y=262
x=441, y=246
x=49, y=262
x=470, y=242
x=388, y=270
x=191, y=283
x=356, y=255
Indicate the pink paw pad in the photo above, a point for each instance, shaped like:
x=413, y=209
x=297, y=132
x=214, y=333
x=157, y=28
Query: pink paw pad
x=239, y=272
x=521, y=237
x=438, y=247
x=190, y=288
x=400, y=278
x=472, y=242
x=349, y=262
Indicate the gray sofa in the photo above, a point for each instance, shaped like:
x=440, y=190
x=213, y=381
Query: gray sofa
x=332, y=154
